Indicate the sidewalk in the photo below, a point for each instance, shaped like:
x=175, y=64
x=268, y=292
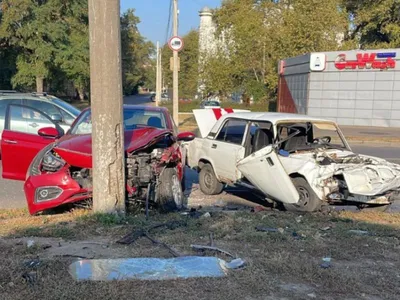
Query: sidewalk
x=364, y=134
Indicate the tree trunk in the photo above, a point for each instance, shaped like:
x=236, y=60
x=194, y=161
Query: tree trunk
x=39, y=84
x=107, y=107
x=81, y=93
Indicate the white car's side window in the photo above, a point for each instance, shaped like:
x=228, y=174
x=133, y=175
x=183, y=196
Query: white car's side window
x=233, y=131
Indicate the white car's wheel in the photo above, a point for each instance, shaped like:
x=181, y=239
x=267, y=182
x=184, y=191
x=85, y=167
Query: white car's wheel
x=308, y=201
x=209, y=183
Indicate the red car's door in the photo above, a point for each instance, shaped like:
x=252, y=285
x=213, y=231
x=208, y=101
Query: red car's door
x=18, y=146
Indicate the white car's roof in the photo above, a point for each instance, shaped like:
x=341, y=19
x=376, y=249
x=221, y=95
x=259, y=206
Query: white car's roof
x=210, y=120
x=272, y=117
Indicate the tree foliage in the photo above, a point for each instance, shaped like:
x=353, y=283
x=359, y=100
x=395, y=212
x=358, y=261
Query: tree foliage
x=255, y=35
x=136, y=53
x=376, y=24
x=47, y=41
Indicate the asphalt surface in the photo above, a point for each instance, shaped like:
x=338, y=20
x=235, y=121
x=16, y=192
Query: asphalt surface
x=12, y=195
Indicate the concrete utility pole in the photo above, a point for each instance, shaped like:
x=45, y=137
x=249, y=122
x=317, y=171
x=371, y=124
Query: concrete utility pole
x=107, y=106
x=158, y=73
x=175, y=78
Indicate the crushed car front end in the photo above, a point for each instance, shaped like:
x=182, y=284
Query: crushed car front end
x=51, y=181
x=337, y=176
x=60, y=174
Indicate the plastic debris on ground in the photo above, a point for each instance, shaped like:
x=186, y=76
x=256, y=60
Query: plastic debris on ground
x=30, y=243
x=326, y=263
x=152, y=268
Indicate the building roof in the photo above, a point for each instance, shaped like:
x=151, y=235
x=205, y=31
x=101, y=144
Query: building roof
x=205, y=11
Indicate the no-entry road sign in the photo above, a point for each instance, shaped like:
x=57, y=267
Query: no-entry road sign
x=175, y=43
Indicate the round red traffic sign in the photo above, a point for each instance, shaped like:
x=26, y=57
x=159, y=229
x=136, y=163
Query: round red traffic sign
x=175, y=43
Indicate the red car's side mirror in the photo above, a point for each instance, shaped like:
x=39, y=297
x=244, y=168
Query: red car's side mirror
x=49, y=132
x=186, y=136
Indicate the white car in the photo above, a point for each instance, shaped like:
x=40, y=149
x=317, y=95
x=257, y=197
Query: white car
x=299, y=161
x=210, y=104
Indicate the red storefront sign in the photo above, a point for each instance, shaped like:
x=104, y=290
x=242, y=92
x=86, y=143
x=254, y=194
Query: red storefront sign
x=364, y=61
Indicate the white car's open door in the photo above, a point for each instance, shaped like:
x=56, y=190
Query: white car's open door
x=265, y=171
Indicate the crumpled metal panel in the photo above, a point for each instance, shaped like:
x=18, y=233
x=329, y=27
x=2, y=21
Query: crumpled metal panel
x=151, y=268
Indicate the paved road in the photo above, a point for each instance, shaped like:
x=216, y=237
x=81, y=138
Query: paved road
x=390, y=153
x=12, y=196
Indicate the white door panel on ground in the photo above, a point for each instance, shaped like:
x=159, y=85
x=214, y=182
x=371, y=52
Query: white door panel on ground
x=265, y=171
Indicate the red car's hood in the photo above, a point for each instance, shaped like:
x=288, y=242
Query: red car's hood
x=77, y=149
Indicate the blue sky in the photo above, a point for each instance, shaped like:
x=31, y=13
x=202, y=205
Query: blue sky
x=154, y=16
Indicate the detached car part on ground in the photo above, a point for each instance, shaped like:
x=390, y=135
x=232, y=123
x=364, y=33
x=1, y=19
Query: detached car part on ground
x=296, y=160
x=61, y=170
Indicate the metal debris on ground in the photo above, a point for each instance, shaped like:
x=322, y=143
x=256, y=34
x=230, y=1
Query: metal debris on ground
x=270, y=229
x=34, y=263
x=206, y=215
x=359, y=232
x=266, y=229
x=152, y=268
x=193, y=213
x=132, y=237
x=325, y=228
x=30, y=277
x=210, y=247
x=326, y=263
x=299, y=219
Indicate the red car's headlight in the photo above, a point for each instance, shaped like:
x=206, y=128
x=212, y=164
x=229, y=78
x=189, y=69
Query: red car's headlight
x=52, y=163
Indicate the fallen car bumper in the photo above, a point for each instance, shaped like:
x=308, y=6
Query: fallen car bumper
x=51, y=190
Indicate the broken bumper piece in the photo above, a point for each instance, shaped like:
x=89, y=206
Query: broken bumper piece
x=151, y=268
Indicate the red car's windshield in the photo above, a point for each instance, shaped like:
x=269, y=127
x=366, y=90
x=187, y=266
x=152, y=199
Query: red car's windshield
x=133, y=119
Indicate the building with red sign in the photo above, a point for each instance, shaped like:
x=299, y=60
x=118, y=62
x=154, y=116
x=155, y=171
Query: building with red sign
x=359, y=87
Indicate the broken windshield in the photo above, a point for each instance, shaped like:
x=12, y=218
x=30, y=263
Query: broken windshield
x=307, y=136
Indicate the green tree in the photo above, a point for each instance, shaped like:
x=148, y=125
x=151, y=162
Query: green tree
x=376, y=24
x=136, y=53
x=72, y=56
x=34, y=28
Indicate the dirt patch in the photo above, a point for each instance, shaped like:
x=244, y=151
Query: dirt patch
x=284, y=264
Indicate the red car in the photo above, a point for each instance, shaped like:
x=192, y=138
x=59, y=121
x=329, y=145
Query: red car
x=56, y=168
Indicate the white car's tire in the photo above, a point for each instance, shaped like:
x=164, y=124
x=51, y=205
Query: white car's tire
x=308, y=202
x=209, y=183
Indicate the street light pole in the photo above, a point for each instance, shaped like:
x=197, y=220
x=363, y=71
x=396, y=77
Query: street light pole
x=175, y=103
x=158, y=85
x=107, y=107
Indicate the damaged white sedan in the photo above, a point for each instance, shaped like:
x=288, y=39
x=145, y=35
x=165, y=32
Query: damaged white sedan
x=296, y=160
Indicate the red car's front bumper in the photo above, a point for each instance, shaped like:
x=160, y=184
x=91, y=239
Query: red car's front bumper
x=60, y=188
